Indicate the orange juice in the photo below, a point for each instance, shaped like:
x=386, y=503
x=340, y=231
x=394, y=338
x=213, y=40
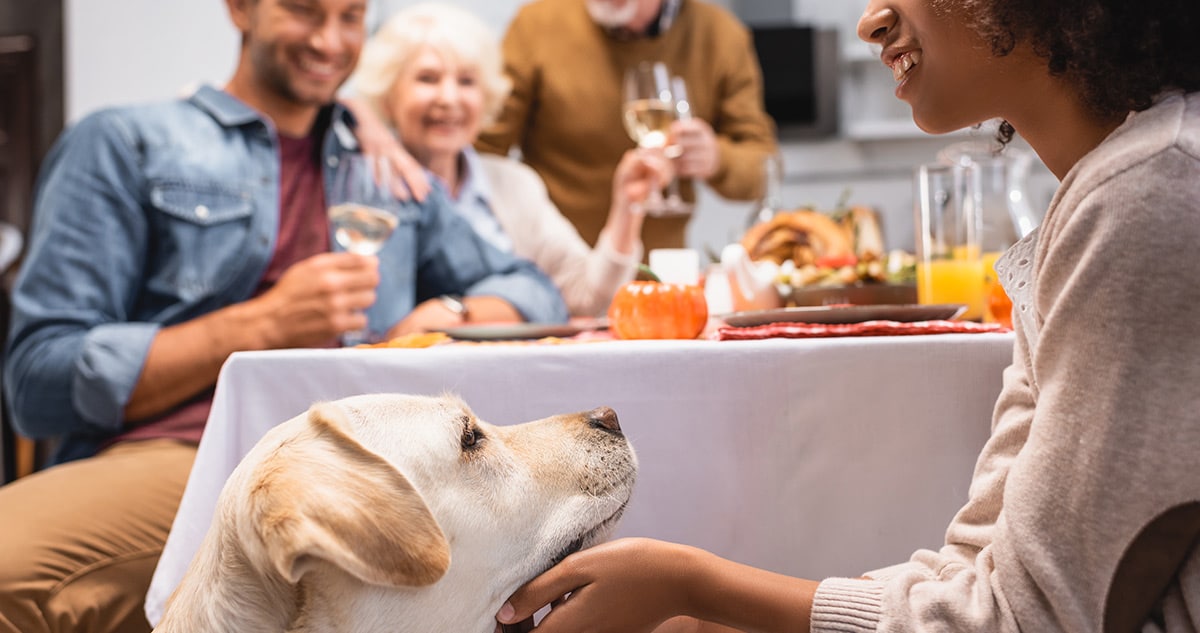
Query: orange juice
x=952, y=281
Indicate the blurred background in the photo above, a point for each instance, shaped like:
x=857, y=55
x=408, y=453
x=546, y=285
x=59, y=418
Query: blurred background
x=843, y=136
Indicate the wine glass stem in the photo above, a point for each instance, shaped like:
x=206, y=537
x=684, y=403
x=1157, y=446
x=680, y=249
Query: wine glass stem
x=350, y=338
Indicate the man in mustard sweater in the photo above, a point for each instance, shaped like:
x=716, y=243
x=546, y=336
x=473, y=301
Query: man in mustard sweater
x=567, y=60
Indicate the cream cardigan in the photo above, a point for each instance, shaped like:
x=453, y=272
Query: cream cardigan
x=587, y=277
x=1096, y=435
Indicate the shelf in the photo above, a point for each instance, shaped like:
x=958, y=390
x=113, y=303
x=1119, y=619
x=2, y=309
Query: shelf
x=883, y=130
x=897, y=130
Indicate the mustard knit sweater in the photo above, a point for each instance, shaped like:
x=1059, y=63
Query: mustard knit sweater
x=565, y=110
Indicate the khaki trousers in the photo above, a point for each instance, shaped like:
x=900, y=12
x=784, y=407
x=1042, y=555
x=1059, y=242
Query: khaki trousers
x=79, y=541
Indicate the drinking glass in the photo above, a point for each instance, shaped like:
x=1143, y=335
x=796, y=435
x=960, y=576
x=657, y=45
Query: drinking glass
x=360, y=204
x=1005, y=213
x=949, y=262
x=361, y=215
x=653, y=101
x=649, y=104
x=673, y=202
x=771, y=201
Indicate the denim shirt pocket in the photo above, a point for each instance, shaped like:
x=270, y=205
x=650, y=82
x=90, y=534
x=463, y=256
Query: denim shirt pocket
x=199, y=235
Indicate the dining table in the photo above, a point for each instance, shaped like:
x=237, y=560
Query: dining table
x=811, y=457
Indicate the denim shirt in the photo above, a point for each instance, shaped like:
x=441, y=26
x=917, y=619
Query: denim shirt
x=149, y=216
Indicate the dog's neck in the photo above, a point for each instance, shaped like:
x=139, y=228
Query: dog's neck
x=418, y=610
x=238, y=595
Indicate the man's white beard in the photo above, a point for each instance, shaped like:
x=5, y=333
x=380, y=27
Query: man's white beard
x=610, y=14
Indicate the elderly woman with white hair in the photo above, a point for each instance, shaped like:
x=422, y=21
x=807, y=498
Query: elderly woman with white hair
x=433, y=74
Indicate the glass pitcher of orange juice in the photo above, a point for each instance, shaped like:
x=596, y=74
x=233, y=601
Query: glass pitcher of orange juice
x=1005, y=213
x=950, y=266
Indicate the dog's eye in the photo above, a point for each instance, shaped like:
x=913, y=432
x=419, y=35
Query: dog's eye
x=471, y=437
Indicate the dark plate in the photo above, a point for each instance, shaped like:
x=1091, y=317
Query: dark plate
x=521, y=331
x=832, y=315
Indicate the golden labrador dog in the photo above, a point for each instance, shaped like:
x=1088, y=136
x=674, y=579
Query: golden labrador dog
x=399, y=513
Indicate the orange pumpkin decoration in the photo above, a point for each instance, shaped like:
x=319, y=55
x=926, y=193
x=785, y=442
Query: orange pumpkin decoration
x=651, y=309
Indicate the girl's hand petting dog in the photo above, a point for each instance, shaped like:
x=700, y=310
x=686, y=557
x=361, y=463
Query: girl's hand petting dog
x=661, y=587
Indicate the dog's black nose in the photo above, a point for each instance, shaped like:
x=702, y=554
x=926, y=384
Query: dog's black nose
x=604, y=418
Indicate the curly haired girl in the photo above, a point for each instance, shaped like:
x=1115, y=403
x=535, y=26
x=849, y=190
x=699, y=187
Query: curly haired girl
x=1084, y=509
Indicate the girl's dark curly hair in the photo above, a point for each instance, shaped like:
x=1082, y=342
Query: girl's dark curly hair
x=1119, y=53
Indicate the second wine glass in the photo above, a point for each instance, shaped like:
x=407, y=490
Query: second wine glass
x=653, y=101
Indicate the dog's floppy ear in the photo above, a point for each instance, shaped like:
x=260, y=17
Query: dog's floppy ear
x=321, y=495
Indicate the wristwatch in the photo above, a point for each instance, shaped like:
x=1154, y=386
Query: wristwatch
x=454, y=303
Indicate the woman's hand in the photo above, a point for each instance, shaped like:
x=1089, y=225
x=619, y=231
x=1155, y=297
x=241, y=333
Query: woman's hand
x=626, y=586
x=643, y=585
x=377, y=140
x=640, y=173
x=429, y=315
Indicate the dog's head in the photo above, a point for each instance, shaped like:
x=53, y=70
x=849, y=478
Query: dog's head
x=391, y=512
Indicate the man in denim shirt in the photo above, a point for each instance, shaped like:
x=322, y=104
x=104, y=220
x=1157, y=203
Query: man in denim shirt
x=167, y=237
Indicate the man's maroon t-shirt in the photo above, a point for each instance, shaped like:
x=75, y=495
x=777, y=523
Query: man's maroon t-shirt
x=303, y=232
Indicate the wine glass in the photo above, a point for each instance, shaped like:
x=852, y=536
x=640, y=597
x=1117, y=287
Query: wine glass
x=674, y=204
x=649, y=104
x=359, y=204
x=361, y=215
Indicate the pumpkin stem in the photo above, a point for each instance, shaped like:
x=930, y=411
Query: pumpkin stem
x=645, y=274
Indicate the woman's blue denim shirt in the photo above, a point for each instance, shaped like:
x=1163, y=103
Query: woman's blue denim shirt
x=153, y=215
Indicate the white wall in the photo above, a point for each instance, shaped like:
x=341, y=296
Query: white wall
x=123, y=51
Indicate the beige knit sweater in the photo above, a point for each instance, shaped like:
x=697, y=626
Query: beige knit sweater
x=1083, y=507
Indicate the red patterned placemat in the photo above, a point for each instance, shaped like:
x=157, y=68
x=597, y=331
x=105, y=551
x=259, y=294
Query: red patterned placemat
x=866, y=328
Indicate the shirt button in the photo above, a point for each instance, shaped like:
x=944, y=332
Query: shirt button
x=201, y=211
x=332, y=161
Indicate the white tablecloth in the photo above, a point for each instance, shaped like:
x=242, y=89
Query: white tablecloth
x=807, y=457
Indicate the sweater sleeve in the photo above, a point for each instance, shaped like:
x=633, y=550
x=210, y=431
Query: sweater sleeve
x=1110, y=446
x=587, y=277
x=520, y=67
x=745, y=134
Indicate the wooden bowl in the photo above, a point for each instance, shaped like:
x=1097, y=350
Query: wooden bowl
x=856, y=294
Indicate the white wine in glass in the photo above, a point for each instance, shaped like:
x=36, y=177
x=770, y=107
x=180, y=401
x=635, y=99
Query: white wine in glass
x=361, y=229
x=648, y=121
x=649, y=105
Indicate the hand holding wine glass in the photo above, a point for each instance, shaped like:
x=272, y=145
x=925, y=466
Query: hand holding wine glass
x=361, y=215
x=654, y=101
x=649, y=104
